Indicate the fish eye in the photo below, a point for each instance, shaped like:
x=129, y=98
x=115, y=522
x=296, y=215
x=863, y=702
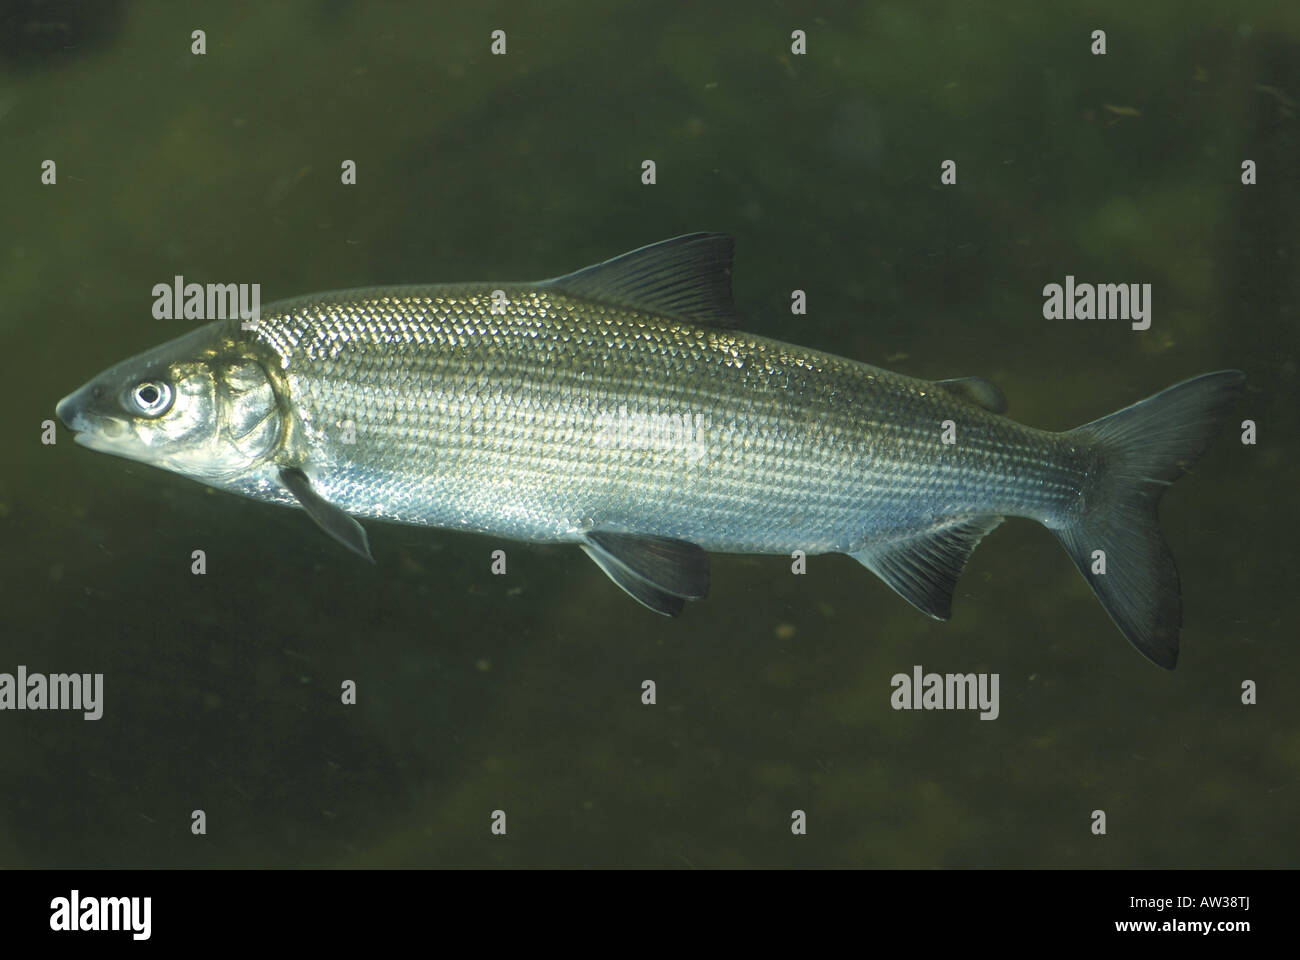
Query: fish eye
x=150, y=398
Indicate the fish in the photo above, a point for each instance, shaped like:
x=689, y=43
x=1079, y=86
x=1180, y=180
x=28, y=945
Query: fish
x=619, y=408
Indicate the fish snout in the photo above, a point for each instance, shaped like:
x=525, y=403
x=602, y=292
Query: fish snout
x=73, y=409
x=67, y=410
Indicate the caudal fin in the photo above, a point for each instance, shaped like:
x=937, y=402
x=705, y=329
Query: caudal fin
x=1143, y=449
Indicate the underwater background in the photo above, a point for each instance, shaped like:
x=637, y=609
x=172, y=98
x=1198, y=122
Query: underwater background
x=522, y=693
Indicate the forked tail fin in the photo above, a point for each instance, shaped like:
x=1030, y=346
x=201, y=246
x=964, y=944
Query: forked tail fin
x=1143, y=449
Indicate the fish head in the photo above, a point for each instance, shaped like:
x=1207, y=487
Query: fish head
x=203, y=405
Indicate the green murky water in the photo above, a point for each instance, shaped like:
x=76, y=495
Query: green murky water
x=522, y=693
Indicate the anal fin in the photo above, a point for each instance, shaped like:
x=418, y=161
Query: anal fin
x=658, y=572
x=334, y=520
x=923, y=569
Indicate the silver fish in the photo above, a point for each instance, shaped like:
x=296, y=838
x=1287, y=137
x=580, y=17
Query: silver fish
x=615, y=408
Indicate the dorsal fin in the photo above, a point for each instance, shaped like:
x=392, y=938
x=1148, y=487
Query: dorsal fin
x=981, y=392
x=687, y=277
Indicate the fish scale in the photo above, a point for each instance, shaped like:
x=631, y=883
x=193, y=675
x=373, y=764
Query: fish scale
x=613, y=407
x=500, y=423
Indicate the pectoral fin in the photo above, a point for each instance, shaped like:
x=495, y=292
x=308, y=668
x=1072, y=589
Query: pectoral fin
x=333, y=520
x=657, y=572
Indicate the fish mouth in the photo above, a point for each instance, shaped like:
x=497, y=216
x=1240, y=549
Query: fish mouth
x=101, y=444
x=98, y=433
